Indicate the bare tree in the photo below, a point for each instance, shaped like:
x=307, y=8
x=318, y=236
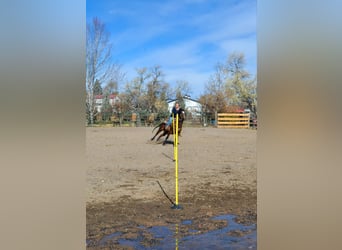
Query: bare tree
x=229, y=88
x=158, y=91
x=146, y=94
x=116, y=78
x=135, y=97
x=240, y=89
x=98, y=61
x=154, y=87
x=183, y=87
x=161, y=103
x=214, y=99
x=236, y=75
x=98, y=88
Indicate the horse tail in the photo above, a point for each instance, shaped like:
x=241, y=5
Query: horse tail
x=157, y=126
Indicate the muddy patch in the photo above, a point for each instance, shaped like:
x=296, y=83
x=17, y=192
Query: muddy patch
x=221, y=217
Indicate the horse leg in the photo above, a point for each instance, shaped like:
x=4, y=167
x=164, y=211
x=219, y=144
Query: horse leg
x=164, y=133
x=154, y=136
x=168, y=134
x=159, y=130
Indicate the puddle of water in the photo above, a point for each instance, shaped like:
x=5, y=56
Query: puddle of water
x=109, y=237
x=223, y=238
x=186, y=222
x=233, y=236
x=131, y=243
x=160, y=231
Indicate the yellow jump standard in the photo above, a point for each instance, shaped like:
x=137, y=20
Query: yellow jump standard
x=175, y=146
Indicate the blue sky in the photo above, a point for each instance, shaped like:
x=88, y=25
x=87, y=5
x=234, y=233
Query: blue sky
x=185, y=37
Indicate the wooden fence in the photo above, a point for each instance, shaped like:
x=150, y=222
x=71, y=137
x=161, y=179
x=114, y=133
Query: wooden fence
x=233, y=120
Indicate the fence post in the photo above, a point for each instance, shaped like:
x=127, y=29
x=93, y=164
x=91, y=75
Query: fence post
x=216, y=119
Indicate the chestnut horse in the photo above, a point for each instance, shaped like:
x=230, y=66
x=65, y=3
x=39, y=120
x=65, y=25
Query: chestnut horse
x=169, y=131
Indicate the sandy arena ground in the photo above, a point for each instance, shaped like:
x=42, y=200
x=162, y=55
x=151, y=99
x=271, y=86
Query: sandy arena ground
x=217, y=175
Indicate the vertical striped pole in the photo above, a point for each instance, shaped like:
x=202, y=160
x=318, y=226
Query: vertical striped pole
x=176, y=146
x=174, y=136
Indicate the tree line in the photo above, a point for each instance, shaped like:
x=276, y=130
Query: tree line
x=230, y=86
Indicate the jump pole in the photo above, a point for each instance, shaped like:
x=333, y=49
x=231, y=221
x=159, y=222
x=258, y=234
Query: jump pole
x=176, y=146
x=174, y=136
x=176, y=206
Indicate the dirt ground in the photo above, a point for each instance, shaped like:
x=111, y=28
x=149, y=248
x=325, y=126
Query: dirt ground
x=217, y=175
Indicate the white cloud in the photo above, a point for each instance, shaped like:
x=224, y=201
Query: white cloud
x=211, y=36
